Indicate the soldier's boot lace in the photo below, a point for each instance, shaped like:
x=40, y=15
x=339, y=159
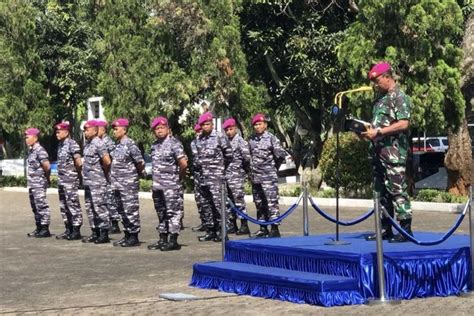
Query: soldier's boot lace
x=67, y=232
x=76, y=233
x=262, y=232
x=157, y=245
x=114, y=227
x=35, y=232
x=172, y=244
x=132, y=241
x=124, y=239
x=244, y=228
x=103, y=237
x=93, y=237
x=406, y=225
x=274, y=232
x=44, y=232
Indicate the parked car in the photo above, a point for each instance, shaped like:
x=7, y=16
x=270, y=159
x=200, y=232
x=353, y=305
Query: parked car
x=430, y=144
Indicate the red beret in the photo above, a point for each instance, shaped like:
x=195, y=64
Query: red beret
x=120, y=122
x=228, y=123
x=63, y=125
x=101, y=123
x=160, y=120
x=32, y=131
x=259, y=117
x=90, y=123
x=205, y=117
x=378, y=69
x=197, y=128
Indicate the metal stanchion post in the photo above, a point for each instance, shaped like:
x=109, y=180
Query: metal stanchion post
x=471, y=235
x=380, y=267
x=223, y=217
x=305, y=209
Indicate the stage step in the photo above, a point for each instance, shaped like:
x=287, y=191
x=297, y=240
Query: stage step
x=277, y=283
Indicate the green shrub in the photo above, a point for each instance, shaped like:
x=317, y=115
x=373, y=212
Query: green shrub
x=145, y=185
x=11, y=181
x=431, y=195
x=355, y=172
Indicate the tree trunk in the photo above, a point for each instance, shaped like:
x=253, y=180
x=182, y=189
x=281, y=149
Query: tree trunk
x=458, y=160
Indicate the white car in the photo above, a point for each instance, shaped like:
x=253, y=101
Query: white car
x=430, y=144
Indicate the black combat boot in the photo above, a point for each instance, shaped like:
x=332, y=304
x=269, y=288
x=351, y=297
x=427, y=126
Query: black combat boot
x=93, y=237
x=232, y=227
x=160, y=243
x=172, y=244
x=132, y=241
x=210, y=235
x=114, y=227
x=124, y=239
x=35, y=232
x=218, y=237
x=103, y=237
x=75, y=234
x=262, y=232
x=274, y=232
x=387, y=233
x=406, y=225
x=244, y=228
x=44, y=232
x=67, y=232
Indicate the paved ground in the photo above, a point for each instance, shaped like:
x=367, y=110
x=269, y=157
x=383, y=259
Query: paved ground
x=52, y=277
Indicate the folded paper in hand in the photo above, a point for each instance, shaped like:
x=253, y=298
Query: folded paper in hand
x=357, y=126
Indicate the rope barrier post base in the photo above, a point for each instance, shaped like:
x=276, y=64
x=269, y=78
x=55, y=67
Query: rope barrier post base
x=470, y=294
x=223, y=217
x=305, y=209
x=382, y=300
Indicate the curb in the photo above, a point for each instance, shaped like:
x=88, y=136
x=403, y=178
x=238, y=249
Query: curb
x=287, y=200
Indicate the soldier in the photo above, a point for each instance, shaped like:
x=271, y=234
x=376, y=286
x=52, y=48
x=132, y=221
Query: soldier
x=127, y=166
x=95, y=173
x=169, y=163
x=389, y=149
x=236, y=174
x=214, y=154
x=196, y=177
x=39, y=170
x=69, y=169
x=267, y=155
x=111, y=203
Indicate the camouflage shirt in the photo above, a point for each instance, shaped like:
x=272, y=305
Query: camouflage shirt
x=214, y=154
x=267, y=154
x=241, y=157
x=165, y=154
x=125, y=157
x=68, y=151
x=92, y=170
x=36, y=175
x=389, y=108
x=109, y=143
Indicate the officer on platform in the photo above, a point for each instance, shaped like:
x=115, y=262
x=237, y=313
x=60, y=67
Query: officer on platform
x=236, y=174
x=95, y=172
x=214, y=154
x=169, y=163
x=267, y=155
x=39, y=170
x=69, y=170
x=111, y=203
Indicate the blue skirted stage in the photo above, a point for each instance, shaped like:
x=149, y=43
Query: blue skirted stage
x=305, y=270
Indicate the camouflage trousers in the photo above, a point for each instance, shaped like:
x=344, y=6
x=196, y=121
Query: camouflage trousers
x=390, y=182
x=69, y=204
x=128, y=208
x=169, y=206
x=96, y=207
x=211, y=207
x=265, y=197
x=236, y=193
x=198, y=198
x=40, y=206
x=112, y=204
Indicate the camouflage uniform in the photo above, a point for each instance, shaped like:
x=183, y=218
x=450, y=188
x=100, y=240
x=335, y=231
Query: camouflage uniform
x=110, y=197
x=214, y=154
x=390, y=153
x=167, y=187
x=197, y=175
x=37, y=184
x=267, y=154
x=125, y=184
x=236, y=173
x=95, y=184
x=68, y=182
